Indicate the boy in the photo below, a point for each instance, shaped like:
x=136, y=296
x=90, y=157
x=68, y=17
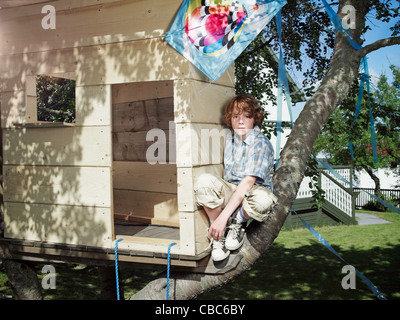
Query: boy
x=246, y=190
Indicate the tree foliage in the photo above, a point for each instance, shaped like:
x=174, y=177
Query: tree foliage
x=341, y=129
x=308, y=40
x=55, y=99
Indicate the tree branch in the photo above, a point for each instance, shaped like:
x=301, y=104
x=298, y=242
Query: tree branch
x=379, y=44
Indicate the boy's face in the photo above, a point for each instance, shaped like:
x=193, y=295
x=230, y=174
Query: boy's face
x=242, y=123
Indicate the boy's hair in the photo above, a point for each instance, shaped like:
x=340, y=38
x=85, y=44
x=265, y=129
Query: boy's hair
x=244, y=103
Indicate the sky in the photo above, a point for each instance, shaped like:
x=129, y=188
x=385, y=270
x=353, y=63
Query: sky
x=378, y=61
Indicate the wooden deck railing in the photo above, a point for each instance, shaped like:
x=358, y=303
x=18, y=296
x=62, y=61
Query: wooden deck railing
x=338, y=193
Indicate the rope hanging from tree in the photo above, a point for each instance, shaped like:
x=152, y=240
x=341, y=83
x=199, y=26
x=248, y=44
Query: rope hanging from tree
x=337, y=21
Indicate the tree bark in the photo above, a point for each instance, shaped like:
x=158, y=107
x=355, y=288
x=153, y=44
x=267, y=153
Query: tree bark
x=108, y=283
x=377, y=189
x=23, y=279
x=289, y=174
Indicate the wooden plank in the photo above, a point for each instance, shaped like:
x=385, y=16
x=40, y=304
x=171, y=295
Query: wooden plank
x=303, y=204
x=93, y=105
x=133, y=61
x=151, y=146
x=149, y=231
x=58, y=224
x=86, y=186
x=156, y=254
x=44, y=124
x=142, y=119
x=193, y=232
x=130, y=146
x=143, y=115
x=153, y=207
x=142, y=176
x=201, y=102
x=18, y=3
x=140, y=245
x=338, y=213
x=126, y=62
x=187, y=233
x=69, y=146
x=13, y=108
x=137, y=91
x=201, y=225
x=186, y=178
x=90, y=25
x=199, y=144
x=16, y=69
x=36, y=6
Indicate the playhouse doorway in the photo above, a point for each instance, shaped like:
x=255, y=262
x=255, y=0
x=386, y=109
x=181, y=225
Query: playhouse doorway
x=144, y=168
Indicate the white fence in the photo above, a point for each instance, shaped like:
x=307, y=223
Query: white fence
x=389, y=194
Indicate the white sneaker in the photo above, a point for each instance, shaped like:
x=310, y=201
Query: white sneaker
x=219, y=251
x=235, y=237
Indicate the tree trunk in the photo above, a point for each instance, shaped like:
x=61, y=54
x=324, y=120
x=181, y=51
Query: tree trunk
x=108, y=283
x=377, y=190
x=23, y=279
x=289, y=174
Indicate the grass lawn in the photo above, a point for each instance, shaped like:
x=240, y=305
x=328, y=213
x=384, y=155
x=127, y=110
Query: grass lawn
x=299, y=267
x=296, y=267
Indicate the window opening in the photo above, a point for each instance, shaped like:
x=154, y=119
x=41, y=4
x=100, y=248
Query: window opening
x=55, y=98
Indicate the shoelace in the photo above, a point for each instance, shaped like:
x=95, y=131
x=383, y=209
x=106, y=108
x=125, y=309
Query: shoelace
x=215, y=243
x=218, y=244
x=235, y=229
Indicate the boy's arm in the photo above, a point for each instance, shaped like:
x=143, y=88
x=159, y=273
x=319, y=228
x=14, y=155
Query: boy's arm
x=217, y=227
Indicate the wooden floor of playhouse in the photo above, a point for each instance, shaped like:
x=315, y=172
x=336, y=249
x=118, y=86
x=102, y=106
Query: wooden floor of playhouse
x=137, y=229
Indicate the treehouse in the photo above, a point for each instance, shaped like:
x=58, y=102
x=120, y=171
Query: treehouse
x=146, y=124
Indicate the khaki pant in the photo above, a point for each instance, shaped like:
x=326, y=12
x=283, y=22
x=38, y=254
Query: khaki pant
x=212, y=192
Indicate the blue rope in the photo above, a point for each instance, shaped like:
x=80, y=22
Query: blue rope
x=283, y=86
x=338, y=176
x=116, y=266
x=370, y=285
x=340, y=26
x=168, y=267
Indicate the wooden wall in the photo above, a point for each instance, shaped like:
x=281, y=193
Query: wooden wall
x=59, y=181
x=145, y=188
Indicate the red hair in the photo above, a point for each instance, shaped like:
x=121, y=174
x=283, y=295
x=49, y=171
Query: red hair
x=244, y=103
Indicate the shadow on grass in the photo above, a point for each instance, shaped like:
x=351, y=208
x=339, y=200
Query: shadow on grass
x=308, y=272
x=81, y=282
x=312, y=272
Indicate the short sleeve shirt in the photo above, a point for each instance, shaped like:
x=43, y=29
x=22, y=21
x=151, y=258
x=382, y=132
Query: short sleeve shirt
x=253, y=156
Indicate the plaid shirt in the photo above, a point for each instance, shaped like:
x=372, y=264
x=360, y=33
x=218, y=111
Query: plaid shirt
x=252, y=157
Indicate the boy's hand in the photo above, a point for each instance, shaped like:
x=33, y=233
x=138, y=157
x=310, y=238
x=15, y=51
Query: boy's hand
x=217, y=228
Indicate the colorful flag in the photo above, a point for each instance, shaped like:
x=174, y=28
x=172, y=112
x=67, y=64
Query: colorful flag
x=211, y=34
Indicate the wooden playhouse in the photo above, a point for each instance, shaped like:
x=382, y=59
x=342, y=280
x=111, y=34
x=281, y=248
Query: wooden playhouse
x=72, y=189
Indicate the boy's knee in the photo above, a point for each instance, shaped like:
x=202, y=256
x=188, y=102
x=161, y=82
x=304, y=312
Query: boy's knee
x=259, y=202
x=265, y=199
x=208, y=190
x=205, y=180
